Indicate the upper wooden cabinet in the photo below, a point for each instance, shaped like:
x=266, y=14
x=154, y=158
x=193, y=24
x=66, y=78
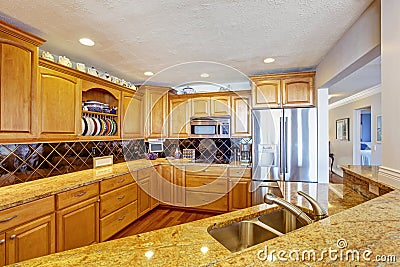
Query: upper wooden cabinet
x=220, y=106
x=59, y=102
x=179, y=118
x=132, y=115
x=211, y=106
x=283, y=90
x=18, y=82
x=201, y=106
x=241, y=115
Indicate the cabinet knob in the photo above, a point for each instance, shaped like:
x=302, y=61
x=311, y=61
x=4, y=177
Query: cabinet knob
x=13, y=236
x=2, y=241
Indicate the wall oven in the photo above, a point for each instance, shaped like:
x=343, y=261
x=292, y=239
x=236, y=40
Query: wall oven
x=210, y=127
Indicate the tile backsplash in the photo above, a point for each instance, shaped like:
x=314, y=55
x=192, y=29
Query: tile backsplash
x=27, y=162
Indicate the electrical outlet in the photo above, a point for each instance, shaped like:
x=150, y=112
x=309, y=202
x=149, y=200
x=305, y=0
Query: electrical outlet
x=93, y=151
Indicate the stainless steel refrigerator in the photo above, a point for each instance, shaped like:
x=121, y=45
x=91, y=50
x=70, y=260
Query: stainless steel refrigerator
x=285, y=145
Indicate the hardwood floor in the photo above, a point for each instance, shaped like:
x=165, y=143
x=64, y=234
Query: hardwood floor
x=335, y=179
x=161, y=217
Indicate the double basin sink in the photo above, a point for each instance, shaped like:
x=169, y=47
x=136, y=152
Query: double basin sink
x=241, y=235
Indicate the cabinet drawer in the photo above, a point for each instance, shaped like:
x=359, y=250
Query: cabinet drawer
x=240, y=172
x=206, y=171
x=76, y=195
x=116, y=199
x=26, y=212
x=208, y=201
x=116, y=182
x=144, y=173
x=117, y=221
x=205, y=184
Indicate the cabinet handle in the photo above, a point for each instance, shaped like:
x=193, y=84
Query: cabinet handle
x=121, y=218
x=8, y=219
x=2, y=241
x=80, y=194
x=121, y=181
x=206, y=170
x=13, y=237
x=121, y=197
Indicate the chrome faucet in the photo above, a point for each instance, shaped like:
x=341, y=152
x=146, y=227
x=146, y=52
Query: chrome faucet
x=319, y=212
x=270, y=198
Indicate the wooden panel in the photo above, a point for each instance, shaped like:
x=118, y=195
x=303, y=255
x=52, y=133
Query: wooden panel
x=17, y=87
x=155, y=187
x=298, y=91
x=117, y=198
x=240, y=172
x=207, y=184
x=144, y=202
x=166, y=184
x=208, y=201
x=31, y=240
x=201, y=106
x=144, y=173
x=132, y=119
x=77, y=195
x=2, y=249
x=179, y=118
x=266, y=93
x=214, y=171
x=241, y=116
x=156, y=112
x=118, y=220
x=116, y=182
x=78, y=225
x=220, y=106
x=26, y=212
x=239, y=195
x=179, y=187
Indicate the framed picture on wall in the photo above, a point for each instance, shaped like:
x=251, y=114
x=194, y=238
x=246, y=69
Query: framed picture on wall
x=379, y=129
x=342, y=129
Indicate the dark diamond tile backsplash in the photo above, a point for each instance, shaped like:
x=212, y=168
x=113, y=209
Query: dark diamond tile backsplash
x=27, y=162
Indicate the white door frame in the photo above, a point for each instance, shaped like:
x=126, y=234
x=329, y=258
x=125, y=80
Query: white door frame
x=357, y=137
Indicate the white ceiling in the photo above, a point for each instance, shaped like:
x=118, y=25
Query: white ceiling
x=362, y=79
x=136, y=36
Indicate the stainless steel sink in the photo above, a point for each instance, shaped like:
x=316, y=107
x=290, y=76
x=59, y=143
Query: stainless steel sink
x=281, y=220
x=240, y=235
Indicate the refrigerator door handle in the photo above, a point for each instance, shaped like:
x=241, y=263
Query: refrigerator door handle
x=281, y=146
x=286, y=147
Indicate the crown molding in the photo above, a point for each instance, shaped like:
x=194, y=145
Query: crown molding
x=353, y=98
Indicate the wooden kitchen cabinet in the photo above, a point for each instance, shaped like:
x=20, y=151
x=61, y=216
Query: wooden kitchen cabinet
x=179, y=181
x=132, y=115
x=156, y=108
x=166, y=184
x=283, y=90
x=155, y=187
x=60, y=104
x=220, y=106
x=241, y=115
x=2, y=249
x=239, y=194
x=179, y=118
x=211, y=106
x=18, y=82
x=144, y=190
x=201, y=106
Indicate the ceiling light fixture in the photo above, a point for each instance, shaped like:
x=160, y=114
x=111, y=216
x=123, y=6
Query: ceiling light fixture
x=204, y=75
x=269, y=60
x=148, y=73
x=86, y=41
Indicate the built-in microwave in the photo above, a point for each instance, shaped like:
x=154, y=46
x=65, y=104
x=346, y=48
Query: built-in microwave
x=210, y=127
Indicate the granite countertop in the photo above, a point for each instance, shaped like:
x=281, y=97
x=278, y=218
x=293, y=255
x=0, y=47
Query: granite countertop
x=18, y=194
x=371, y=225
x=366, y=173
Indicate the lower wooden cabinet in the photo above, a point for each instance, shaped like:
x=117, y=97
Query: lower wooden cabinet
x=78, y=225
x=207, y=201
x=239, y=195
x=2, y=249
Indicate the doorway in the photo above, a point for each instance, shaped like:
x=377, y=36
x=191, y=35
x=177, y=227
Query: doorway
x=362, y=145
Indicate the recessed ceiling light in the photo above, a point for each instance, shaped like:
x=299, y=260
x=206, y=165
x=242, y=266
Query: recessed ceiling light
x=204, y=75
x=148, y=73
x=86, y=41
x=269, y=60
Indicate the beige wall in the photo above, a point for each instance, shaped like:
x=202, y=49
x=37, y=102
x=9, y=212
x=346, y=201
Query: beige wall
x=359, y=45
x=390, y=171
x=343, y=150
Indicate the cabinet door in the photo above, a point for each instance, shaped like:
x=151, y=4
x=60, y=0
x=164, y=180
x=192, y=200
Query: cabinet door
x=78, y=225
x=266, y=94
x=201, y=106
x=156, y=113
x=241, y=116
x=166, y=184
x=59, y=104
x=298, y=91
x=31, y=240
x=2, y=249
x=144, y=199
x=179, y=118
x=220, y=106
x=18, y=76
x=155, y=188
x=179, y=187
x=240, y=195
x=132, y=118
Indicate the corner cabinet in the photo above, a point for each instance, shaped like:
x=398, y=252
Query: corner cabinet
x=18, y=82
x=59, y=98
x=283, y=90
x=241, y=115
